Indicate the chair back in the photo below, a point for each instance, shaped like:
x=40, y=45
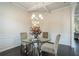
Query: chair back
x=23, y=35
x=45, y=34
x=57, y=41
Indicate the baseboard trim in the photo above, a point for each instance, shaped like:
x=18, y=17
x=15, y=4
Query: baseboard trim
x=8, y=48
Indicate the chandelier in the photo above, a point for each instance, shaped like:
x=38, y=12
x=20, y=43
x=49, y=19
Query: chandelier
x=35, y=29
x=36, y=17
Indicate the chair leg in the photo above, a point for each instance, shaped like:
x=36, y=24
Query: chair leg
x=40, y=53
x=23, y=50
x=55, y=54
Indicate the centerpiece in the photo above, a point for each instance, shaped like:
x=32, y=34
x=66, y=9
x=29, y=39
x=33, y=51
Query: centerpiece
x=35, y=31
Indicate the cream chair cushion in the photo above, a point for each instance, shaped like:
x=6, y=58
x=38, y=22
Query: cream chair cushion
x=48, y=47
x=43, y=39
x=25, y=41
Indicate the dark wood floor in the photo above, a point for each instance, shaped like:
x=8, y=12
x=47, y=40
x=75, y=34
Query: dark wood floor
x=76, y=41
x=63, y=50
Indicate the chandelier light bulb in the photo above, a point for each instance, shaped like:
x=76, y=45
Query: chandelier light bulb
x=33, y=16
x=40, y=16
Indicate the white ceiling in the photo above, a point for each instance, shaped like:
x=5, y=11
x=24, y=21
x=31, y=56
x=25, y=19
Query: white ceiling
x=40, y=6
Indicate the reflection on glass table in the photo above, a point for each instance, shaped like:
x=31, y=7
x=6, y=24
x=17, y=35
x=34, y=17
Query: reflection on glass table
x=35, y=46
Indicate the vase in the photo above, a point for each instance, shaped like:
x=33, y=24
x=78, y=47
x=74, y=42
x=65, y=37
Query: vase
x=35, y=36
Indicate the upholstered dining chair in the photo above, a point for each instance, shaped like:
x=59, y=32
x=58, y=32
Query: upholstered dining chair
x=24, y=42
x=51, y=47
x=44, y=37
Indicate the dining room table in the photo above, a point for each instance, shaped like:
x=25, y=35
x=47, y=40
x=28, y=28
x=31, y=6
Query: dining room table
x=35, y=44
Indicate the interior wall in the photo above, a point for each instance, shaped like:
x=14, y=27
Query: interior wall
x=13, y=21
x=58, y=21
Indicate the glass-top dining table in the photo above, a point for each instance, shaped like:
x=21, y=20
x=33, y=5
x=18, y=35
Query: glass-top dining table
x=35, y=44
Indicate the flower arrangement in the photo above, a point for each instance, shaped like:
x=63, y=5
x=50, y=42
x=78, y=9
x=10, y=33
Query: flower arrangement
x=35, y=30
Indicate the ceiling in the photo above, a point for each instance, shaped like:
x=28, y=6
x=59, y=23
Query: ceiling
x=40, y=6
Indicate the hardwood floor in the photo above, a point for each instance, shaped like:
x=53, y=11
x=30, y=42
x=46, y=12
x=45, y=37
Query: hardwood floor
x=76, y=41
x=63, y=50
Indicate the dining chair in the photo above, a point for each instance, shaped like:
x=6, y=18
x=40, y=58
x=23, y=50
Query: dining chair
x=44, y=37
x=24, y=42
x=51, y=47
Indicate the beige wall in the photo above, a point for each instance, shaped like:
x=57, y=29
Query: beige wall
x=58, y=21
x=13, y=20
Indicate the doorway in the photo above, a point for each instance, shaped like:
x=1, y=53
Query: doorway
x=75, y=32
